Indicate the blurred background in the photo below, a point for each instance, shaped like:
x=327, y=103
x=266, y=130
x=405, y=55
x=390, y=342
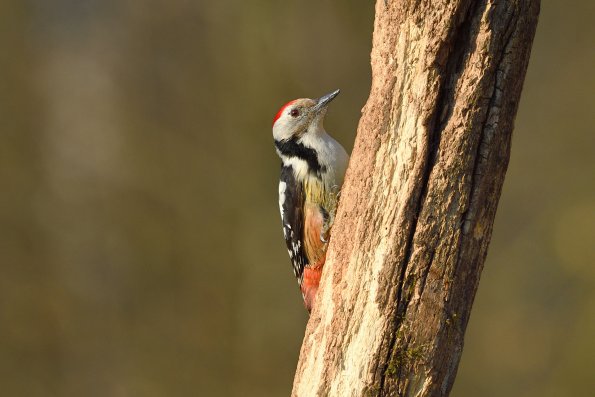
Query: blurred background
x=140, y=242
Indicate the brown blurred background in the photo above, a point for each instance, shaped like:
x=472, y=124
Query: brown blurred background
x=140, y=240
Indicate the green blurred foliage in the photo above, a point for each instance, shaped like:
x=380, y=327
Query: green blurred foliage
x=141, y=248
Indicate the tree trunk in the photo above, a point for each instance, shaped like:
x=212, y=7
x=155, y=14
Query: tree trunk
x=418, y=205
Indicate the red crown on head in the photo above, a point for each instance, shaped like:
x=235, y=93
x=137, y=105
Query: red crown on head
x=280, y=112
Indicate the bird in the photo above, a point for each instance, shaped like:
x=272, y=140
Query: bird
x=313, y=166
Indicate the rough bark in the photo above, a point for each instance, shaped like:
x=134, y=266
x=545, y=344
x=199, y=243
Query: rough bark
x=418, y=205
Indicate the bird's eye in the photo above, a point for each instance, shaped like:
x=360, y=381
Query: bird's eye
x=294, y=113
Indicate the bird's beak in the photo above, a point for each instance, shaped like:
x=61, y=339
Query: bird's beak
x=323, y=101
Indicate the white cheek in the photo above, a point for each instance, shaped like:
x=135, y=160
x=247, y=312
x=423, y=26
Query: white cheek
x=286, y=126
x=283, y=128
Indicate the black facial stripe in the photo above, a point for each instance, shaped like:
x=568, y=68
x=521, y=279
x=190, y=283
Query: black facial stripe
x=293, y=148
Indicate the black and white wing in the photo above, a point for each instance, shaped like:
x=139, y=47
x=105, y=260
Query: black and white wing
x=291, y=205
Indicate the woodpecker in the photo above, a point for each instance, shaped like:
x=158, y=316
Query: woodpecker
x=313, y=165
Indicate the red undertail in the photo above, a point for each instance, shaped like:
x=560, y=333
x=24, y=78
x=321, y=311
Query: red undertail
x=310, y=284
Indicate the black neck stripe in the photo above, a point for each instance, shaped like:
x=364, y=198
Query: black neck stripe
x=293, y=148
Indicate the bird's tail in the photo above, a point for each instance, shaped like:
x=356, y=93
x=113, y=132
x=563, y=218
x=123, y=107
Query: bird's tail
x=310, y=284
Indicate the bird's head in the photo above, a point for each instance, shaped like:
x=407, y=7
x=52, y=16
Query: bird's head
x=301, y=116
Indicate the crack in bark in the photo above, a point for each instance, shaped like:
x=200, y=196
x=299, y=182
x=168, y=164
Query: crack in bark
x=426, y=271
x=485, y=138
